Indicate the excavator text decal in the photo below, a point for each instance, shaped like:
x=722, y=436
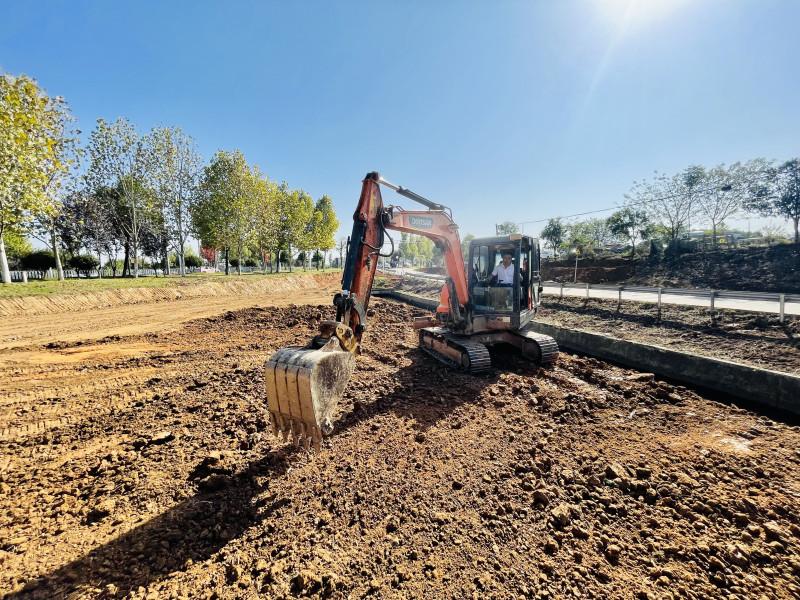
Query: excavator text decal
x=421, y=222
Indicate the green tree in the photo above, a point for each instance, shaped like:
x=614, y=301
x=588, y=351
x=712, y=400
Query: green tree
x=465, y=246
x=41, y=260
x=629, y=223
x=31, y=124
x=177, y=174
x=18, y=247
x=265, y=219
x=84, y=263
x=554, y=233
x=324, y=226
x=225, y=213
x=120, y=158
x=779, y=195
x=301, y=216
x=579, y=237
x=507, y=228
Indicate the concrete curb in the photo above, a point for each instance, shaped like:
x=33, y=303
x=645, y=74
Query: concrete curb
x=769, y=388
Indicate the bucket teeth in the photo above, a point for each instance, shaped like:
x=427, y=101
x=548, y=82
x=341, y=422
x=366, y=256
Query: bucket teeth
x=303, y=389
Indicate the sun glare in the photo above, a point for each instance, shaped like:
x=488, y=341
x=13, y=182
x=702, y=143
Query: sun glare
x=636, y=14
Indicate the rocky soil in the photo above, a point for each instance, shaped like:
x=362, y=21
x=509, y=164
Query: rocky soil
x=141, y=467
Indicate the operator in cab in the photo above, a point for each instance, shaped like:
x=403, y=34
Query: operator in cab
x=503, y=274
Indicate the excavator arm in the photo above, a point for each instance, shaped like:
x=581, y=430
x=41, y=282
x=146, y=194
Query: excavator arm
x=371, y=221
x=304, y=384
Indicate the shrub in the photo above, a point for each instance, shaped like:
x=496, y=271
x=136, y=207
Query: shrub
x=83, y=263
x=41, y=260
x=192, y=261
x=250, y=262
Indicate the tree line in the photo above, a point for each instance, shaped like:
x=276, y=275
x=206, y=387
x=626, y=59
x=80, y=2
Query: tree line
x=139, y=194
x=667, y=207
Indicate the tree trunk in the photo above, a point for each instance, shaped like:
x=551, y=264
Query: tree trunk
x=239, y=262
x=126, y=261
x=56, y=253
x=227, y=264
x=796, y=237
x=290, y=258
x=4, y=262
x=99, y=265
x=135, y=258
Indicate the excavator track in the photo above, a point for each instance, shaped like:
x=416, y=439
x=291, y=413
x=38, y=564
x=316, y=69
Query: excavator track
x=455, y=351
x=547, y=351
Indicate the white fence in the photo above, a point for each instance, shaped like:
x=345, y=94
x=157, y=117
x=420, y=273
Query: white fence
x=768, y=302
x=74, y=274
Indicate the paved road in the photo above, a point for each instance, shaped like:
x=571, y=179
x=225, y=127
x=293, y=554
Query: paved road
x=791, y=308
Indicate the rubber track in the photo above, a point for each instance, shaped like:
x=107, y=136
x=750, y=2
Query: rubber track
x=479, y=359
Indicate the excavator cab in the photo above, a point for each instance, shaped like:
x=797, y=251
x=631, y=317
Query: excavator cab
x=497, y=306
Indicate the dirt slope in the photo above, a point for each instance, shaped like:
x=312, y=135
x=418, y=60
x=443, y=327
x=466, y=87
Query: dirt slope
x=141, y=467
x=42, y=320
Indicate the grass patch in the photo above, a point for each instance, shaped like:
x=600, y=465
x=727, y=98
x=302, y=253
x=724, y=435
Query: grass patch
x=48, y=287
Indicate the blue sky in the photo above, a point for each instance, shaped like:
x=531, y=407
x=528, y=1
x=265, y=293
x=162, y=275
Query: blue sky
x=502, y=110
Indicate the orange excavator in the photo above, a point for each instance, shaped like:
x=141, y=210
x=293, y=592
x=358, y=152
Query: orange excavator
x=476, y=310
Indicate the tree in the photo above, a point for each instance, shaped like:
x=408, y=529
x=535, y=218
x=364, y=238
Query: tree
x=554, y=233
x=41, y=260
x=177, y=175
x=120, y=158
x=301, y=216
x=324, y=226
x=579, y=237
x=84, y=263
x=630, y=223
x=722, y=195
x=671, y=201
x=30, y=127
x=225, y=213
x=18, y=247
x=465, y=246
x=507, y=228
x=779, y=195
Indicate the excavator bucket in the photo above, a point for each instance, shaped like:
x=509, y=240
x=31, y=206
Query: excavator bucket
x=303, y=389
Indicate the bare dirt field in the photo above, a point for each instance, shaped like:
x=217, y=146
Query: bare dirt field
x=138, y=464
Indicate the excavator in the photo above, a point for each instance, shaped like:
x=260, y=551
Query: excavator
x=304, y=384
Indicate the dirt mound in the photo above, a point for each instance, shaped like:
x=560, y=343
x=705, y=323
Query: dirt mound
x=250, y=285
x=151, y=474
x=774, y=269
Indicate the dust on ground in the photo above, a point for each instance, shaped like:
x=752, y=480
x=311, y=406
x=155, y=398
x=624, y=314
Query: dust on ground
x=141, y=466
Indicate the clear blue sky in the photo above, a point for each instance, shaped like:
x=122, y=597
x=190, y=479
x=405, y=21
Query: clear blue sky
x=502, y=110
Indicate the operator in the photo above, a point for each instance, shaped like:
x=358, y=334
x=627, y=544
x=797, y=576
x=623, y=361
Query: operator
x=503, y=273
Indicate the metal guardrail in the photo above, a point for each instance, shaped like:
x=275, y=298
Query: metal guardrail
x=711, y=295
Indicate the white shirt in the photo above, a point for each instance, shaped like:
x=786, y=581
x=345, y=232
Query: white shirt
x=503, y=274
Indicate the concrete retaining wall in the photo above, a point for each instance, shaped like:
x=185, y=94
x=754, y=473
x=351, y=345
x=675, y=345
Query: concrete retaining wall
x=770, y=388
